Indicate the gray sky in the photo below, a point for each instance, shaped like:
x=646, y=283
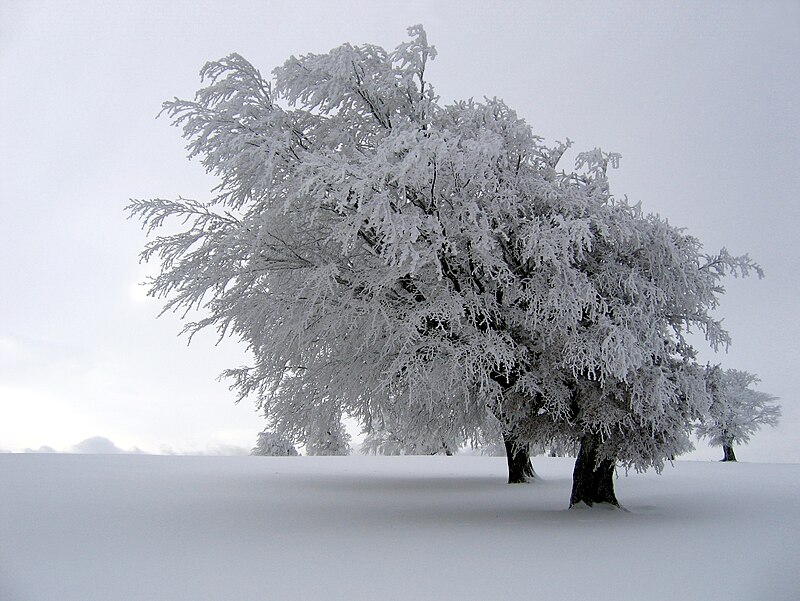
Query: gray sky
x=699, y=98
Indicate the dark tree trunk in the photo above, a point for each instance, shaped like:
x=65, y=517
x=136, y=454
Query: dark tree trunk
x=592, y=481
x=729, y=454
x=520, y=468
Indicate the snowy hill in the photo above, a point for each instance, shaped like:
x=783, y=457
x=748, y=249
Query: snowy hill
x=152, y=528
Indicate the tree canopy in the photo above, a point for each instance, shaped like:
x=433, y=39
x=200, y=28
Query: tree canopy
x=392, y=258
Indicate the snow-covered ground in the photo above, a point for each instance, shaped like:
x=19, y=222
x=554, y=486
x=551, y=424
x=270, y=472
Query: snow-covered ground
x=155, y=528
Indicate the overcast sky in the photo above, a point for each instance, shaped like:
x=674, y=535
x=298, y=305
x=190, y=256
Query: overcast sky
x=700, y=98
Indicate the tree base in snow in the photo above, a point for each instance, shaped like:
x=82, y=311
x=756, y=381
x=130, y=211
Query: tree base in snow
x=592, y=480
x=729, y=454
x=597, y=507
x=520, y=468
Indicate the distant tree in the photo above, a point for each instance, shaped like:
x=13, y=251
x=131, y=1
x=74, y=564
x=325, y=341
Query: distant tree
x=272, y=444
x=737, y=410
x=391, y=434
x=383, y=254
x=383, y=442
x=386, y=442
x=325, y=433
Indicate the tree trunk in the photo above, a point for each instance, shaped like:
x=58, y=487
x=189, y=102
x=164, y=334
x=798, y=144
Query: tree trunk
x=592, y=481
x=729, y=454
x=520, y=468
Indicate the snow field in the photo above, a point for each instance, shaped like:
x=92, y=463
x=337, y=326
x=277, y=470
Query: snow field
x=154, y=528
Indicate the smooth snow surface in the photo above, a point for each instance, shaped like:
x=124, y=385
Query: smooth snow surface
x=152, y=528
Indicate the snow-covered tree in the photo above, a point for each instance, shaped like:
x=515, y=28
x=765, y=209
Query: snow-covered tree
x=392, y=434
x=638, y=388
x=325, y=433
x=346, y=243
x=386, y=442
x=383, y=254
x=737, y=410
x=273, y=444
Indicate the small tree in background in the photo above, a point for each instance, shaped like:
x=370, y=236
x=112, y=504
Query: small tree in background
x=737, y=410
x=325, y=433
x=394, y=430
x=272, y=444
